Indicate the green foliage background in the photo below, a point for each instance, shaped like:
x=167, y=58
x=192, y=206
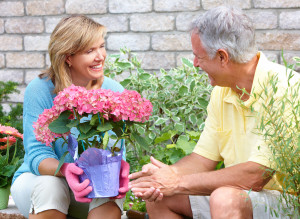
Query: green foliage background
x=10, y=159
x=179, y=97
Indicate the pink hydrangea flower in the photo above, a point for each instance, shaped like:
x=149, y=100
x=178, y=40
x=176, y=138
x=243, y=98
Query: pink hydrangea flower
x=128, y=105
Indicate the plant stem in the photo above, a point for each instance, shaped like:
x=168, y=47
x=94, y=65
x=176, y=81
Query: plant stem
x=7, y=149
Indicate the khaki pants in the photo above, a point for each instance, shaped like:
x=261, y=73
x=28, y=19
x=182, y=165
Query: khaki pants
x=263, y=203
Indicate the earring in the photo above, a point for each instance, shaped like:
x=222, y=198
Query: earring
x=70, y=65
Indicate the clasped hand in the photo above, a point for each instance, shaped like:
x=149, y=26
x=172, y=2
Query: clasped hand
x=154, y=181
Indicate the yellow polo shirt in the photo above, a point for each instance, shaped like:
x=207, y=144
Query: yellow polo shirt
x=229, y=132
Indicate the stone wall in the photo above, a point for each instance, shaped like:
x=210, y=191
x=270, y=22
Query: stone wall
x=156, y=30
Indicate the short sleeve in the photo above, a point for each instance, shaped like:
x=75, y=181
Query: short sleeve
x=207, y=145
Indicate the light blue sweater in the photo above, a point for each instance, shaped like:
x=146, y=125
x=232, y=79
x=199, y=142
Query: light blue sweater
x=39, y=96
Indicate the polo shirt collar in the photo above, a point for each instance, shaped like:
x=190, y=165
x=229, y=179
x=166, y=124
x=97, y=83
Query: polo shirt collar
x=260, y=77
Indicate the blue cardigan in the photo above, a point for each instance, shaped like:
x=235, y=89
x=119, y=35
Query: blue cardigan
x=39, y=96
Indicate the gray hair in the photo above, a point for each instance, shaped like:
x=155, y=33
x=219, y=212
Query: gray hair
x=227, y=28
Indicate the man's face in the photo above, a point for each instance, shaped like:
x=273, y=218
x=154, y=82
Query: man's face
x=211, y=66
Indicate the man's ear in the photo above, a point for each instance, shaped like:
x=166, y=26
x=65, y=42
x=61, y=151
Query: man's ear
x=223, y=56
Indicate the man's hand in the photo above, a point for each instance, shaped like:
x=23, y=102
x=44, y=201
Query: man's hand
x=80, y=190
x=147, y=170
x=154, y=181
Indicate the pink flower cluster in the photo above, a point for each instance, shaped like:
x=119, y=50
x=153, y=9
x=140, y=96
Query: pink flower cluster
x=11, y=133
x=128, y=106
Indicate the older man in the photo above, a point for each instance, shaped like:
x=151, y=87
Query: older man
x=223, y=42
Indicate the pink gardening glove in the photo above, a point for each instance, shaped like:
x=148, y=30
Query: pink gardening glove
x=123, y=187
x=80, y=190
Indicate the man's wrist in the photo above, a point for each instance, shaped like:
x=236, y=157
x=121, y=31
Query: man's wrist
x=177, y=181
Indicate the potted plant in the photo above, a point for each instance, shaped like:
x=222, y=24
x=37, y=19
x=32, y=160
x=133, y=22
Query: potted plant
x=98, y=115
x=9, y=162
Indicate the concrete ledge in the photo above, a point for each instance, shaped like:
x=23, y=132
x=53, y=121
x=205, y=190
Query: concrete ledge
x=12, y=212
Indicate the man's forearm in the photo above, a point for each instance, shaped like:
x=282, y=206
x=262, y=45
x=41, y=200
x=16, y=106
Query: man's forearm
x=246, y=176
x=193, y=163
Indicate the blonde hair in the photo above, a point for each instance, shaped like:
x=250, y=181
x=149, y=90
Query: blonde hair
x=71, y=35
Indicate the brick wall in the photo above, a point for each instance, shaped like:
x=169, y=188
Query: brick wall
x=155, y=29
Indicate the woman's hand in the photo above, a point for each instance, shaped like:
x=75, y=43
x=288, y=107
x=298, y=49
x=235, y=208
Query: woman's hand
x=80, y=190
x=124, y=180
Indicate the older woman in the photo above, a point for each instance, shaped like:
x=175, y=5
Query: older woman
x=77, y=53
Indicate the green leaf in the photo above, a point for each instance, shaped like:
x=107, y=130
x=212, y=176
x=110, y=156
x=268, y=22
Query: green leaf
x=176, y=119
x=105, y=140
x=176, y=155
x=3, y=181
x=193, y=135
x=193, y=119
x=145, y=76
x=152, y=136
x=161, y=121
x=73, y=123
x=61, y=162
x=187, y=62
x=94, y=119
x=183, y=138
x=118, y=127
x=186, y=146
x=141, y=130
x=220, y=165
x=123, y=65
x=116, y=56
x=140, y=140
x=203, y=103
x=8, y=170
x=180, y=127
x=125, y=82
x=85, y=127
x=168, y=78
x=192, y=85
x=59, y=125
x=183, y=90
x=84, y=136
x=104, y=127
x=164, y=137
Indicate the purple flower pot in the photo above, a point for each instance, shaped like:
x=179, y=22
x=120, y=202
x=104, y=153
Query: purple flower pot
x=103, y=171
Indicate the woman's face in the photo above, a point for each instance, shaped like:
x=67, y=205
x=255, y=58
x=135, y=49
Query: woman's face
x=87, y=65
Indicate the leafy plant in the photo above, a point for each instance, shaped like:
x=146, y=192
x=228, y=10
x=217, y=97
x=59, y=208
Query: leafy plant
x=279, y=124
x=134, y=203
x=179, y=97
x=9, y=162
x=13, y=117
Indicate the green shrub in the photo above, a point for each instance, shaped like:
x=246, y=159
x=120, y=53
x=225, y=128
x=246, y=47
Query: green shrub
x=279, y=124
x=179, y=97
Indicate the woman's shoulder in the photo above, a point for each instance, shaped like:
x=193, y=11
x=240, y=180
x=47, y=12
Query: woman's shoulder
x=40, y=84
x=39, y=88
x=110, y=84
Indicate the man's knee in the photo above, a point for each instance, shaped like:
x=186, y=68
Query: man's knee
x=178, y=204
x=227, y=199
